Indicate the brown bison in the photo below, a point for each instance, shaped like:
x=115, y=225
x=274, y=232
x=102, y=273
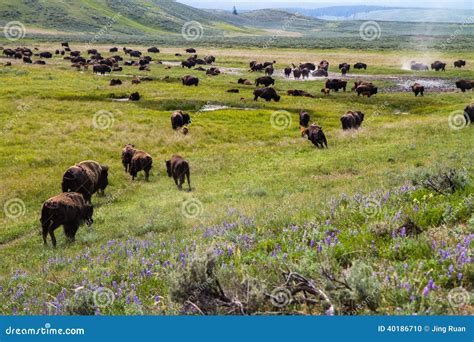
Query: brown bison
x=464, y=85
x=191, y=50
x=101, y=69
x=178, y=168
x=459, y=63
x=179, y=119
x=141, y=161
x=127, y=154
x=352, y=120
x=269, y=70
x=296, y=92
x=87, y=178
x=114, y=82
x=309, y=66
x=320, y=73
x=297, y=73
x=469, y=113
x=134, y=96
x=153, y=49
x=67, y=209
x=316, y=135
x=265, y=80
x=287, y=72
x=190, y=81
x=346, y=66
x=336, y=84
x=267, y=94
x=437, y=65
x=244, y=81
x=360, y=65
x=304, y=119
x=325, y=91
x=323, y=65
x=366, y=90
x=418, y=89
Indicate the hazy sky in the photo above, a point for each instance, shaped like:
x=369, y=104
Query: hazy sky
x=246, y=4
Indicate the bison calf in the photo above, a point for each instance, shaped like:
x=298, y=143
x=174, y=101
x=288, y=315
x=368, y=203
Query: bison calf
x=178, y=168
x=67, y=209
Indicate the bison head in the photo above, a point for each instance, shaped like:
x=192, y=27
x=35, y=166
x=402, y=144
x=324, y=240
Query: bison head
x=103, y=178
x=186, y=119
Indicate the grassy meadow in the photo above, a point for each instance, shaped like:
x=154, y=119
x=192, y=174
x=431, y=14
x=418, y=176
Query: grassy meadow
x=263, y=198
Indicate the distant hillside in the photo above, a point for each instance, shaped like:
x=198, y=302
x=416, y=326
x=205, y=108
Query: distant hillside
x=381, y=13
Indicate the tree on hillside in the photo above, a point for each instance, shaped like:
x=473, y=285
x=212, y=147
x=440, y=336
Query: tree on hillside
x=234, y=11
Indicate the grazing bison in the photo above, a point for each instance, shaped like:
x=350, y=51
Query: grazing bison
x=67, y=209
x=265, y=80
x=179, y=119
x=75, y=53
x=305, y=73
x=417, y=89
x=316, y=135
x=153, y=49
x=352, y=120
x=360, y=65
x=101, y=69
x=134, y=96
x=190, y=81
x=65, y=44
x=135, y=53
x=178, y=168
x=459, y=63
x=191, y=50
x=267, y=64
x=304, y=119
x=418, y=66
x=213, y=72
x=87, y=178
x=267, y=94
x=469, y=113
x=320, y=73
x=296, y=92
x=114, y=82
x=92, y=52
x=344, y=70
x=464, y=85
x=127, y=154
x=257, y=67
x=141, y=161
x=46, y=54
x=113, y=49
x=287, y=72
x=39, y=62
x=27, y=60
x=366, y=90
x=437, y=65
x=336, y=84
x=345, y=66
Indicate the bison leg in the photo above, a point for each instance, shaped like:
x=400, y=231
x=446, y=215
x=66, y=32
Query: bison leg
x=176, y=181
x=53, y=238
x=189, y=182
x=70, y=230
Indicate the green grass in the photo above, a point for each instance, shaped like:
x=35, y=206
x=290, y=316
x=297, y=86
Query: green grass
x=250, y=180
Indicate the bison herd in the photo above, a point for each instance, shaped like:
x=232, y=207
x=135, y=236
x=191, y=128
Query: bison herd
x=82, y=180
